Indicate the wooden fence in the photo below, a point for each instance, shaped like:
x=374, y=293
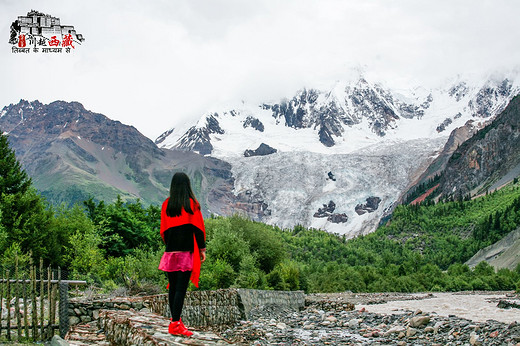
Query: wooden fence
x=29, y=300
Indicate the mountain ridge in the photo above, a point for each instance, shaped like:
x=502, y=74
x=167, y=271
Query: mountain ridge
x=356, y=111
x=73, y=154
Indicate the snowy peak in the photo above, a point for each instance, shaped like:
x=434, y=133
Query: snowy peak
x=378, y=106
x=295, y=112
x=492, y=98
x=347, y=117
x=329, y=113
x=197, y=138
x=306, y=111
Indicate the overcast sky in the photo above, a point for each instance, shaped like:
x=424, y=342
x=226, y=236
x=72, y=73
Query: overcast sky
x=152, y=64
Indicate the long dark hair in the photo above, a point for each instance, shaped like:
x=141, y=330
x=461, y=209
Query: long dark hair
x=180, y=194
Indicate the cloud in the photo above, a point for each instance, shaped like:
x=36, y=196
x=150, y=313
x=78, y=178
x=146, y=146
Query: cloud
x=154, y=64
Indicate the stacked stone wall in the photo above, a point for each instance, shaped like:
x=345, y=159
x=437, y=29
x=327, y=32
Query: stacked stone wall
x=201, y=308
x=87, y=310
x=259, y=299
x=226, y=306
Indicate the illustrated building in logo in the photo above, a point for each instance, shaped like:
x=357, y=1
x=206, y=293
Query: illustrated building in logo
x=43, y=30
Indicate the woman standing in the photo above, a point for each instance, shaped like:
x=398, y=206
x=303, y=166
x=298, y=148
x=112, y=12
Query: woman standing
x=183, y=232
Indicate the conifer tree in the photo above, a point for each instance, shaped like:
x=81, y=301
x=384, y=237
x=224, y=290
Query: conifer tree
x=13, y=178
x=24, y=218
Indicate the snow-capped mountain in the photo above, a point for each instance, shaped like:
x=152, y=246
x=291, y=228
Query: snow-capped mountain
x=355, y=143
x=344, y=118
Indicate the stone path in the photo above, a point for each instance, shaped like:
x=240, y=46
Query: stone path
x=86, y=334
x=135, y=328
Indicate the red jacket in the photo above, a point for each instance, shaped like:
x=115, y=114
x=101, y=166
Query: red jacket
x=182, y=223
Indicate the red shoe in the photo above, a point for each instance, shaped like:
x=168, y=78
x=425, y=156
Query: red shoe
x=183, y=326
x=178, y=328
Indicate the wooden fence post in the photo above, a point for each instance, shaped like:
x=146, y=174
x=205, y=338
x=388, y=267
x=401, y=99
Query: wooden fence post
x=33, y=300
x=25, y=319
x=42, y=293
x=52, y=300
x=49, y=299
x=17, y=300
x=30, y=317
x=8, y=305
x=1, y=299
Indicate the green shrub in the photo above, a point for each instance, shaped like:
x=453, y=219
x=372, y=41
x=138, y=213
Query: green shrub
x=483, y=269
x=285, y=276
x=226, y=244
x=216, y=274
x=479, y=285
x=250, y=276
x=13, y=256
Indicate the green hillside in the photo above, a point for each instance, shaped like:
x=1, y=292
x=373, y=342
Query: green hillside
x=421, y=248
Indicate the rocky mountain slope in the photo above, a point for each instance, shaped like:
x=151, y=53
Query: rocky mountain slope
x=376, y=142
x=72, y=153
x=489, y=159
x=505, y=253
x=477, y=159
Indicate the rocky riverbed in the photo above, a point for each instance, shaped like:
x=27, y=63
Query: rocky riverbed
x=373, y=319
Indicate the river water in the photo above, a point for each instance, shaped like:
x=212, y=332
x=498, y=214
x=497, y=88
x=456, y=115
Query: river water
x=476, y=306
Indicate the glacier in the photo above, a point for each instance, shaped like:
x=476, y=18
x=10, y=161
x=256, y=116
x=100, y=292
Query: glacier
x=295, y=184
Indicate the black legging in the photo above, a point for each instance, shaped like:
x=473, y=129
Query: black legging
x=178, y=285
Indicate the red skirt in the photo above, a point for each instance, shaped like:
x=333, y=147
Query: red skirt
x=176, y=261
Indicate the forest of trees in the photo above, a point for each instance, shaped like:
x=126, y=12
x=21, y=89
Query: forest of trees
x=421, y=248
